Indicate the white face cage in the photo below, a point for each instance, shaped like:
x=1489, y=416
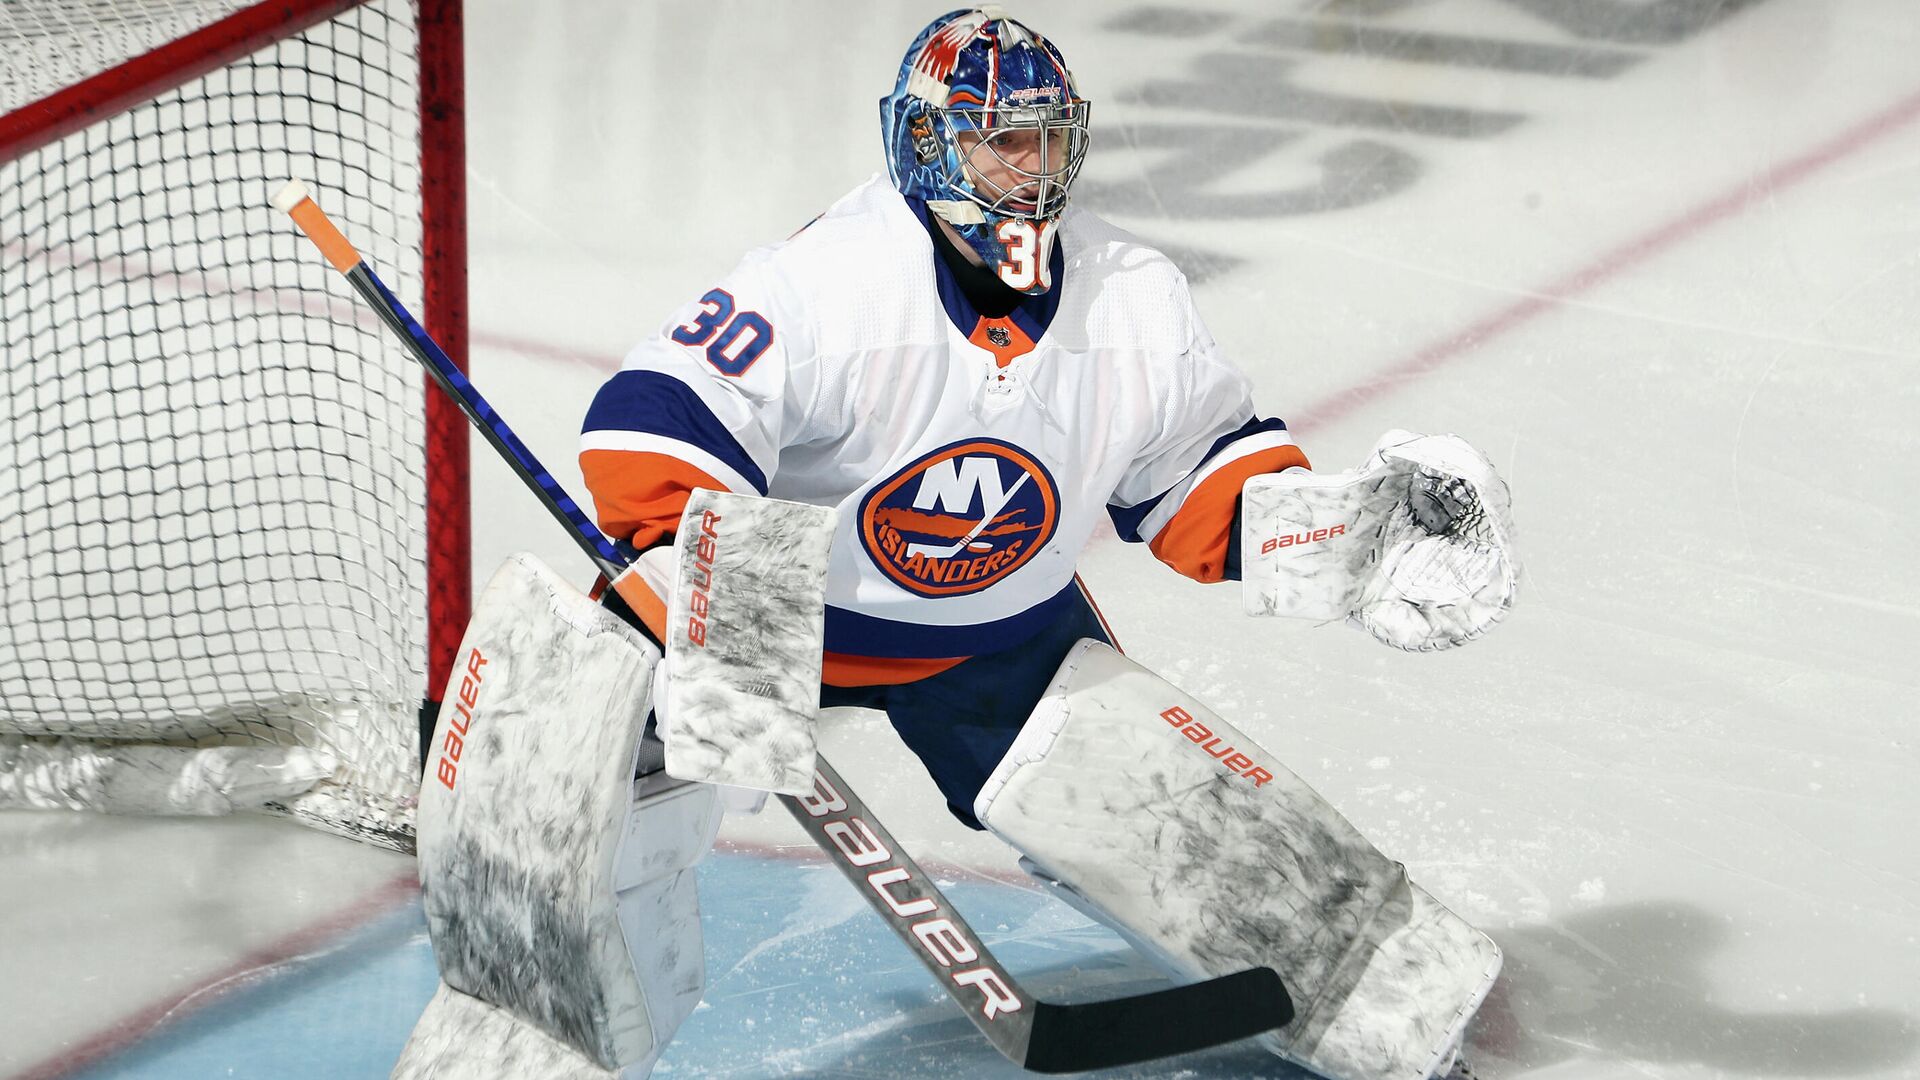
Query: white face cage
x=1017, y=161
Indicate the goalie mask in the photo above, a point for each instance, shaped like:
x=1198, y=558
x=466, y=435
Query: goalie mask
x=983, y=125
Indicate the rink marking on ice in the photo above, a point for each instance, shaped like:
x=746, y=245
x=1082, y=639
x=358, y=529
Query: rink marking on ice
x=131, y=1028
x=1609, y=265
x=528, y=348
x=257, y=966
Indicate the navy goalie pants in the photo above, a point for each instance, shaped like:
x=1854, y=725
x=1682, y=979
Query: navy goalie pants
x=961, y=721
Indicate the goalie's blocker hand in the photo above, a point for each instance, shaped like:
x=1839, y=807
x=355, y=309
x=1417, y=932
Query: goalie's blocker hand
x=1415, y=546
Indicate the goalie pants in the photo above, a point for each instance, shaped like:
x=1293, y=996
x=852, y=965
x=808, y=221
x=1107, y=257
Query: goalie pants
x=961, y=721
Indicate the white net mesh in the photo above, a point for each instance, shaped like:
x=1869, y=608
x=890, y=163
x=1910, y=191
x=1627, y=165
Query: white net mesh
x=51, y=46
x=212, y=482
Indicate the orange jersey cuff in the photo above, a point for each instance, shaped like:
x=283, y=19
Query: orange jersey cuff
x=1194, y=541
x=639, y=495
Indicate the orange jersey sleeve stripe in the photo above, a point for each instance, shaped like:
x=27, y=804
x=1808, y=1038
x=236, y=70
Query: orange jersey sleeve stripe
x=1194, y=541
x=845, y=669
x=638, y=496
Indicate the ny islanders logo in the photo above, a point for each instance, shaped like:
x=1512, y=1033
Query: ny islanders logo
x=960, y=518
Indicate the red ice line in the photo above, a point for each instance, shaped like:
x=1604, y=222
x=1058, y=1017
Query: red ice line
x=133, y=1027
x=1609, y=265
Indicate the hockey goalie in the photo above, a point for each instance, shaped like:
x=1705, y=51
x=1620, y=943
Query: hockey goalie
x=961, y=371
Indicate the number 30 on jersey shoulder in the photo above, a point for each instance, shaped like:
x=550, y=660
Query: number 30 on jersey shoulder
x=1027, y=248
x=733, y=340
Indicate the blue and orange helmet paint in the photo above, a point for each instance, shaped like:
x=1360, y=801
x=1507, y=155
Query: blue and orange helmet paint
x=978, y=85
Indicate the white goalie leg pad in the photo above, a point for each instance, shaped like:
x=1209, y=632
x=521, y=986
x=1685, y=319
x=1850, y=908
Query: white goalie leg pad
x=560, y=901
x=745, y=640
x=1415, y=546
x=1183, y=833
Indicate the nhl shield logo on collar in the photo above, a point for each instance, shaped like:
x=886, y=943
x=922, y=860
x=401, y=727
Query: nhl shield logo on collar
x=960, y=518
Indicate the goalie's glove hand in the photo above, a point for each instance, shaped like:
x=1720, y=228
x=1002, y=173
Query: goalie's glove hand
x=1415, y=546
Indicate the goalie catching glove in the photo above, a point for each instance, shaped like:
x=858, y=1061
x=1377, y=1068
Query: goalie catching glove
x=1415, y=546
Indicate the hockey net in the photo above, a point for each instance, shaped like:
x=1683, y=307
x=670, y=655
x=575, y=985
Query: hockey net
x=227, y=517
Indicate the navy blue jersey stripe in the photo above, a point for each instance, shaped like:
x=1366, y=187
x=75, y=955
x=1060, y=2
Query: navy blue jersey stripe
x=1127, y=519
x=659, y=404
x=866, y=635
x=959, y=309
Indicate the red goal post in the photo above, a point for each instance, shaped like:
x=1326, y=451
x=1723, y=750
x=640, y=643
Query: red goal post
x=231, y=512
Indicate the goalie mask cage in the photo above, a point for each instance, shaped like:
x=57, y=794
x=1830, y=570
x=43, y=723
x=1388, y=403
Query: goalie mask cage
x=231, y=512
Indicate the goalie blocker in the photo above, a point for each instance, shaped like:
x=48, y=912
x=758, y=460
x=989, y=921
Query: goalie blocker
x=745, y=641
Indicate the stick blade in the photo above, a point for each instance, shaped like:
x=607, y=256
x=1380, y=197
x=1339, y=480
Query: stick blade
x=1101, y=1034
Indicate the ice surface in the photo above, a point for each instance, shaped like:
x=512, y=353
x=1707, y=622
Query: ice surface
x=1659, y=258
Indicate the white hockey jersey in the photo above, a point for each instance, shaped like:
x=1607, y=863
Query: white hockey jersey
x=969, y=458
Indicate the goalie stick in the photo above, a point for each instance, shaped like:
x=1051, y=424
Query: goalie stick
x=1037, y=1035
